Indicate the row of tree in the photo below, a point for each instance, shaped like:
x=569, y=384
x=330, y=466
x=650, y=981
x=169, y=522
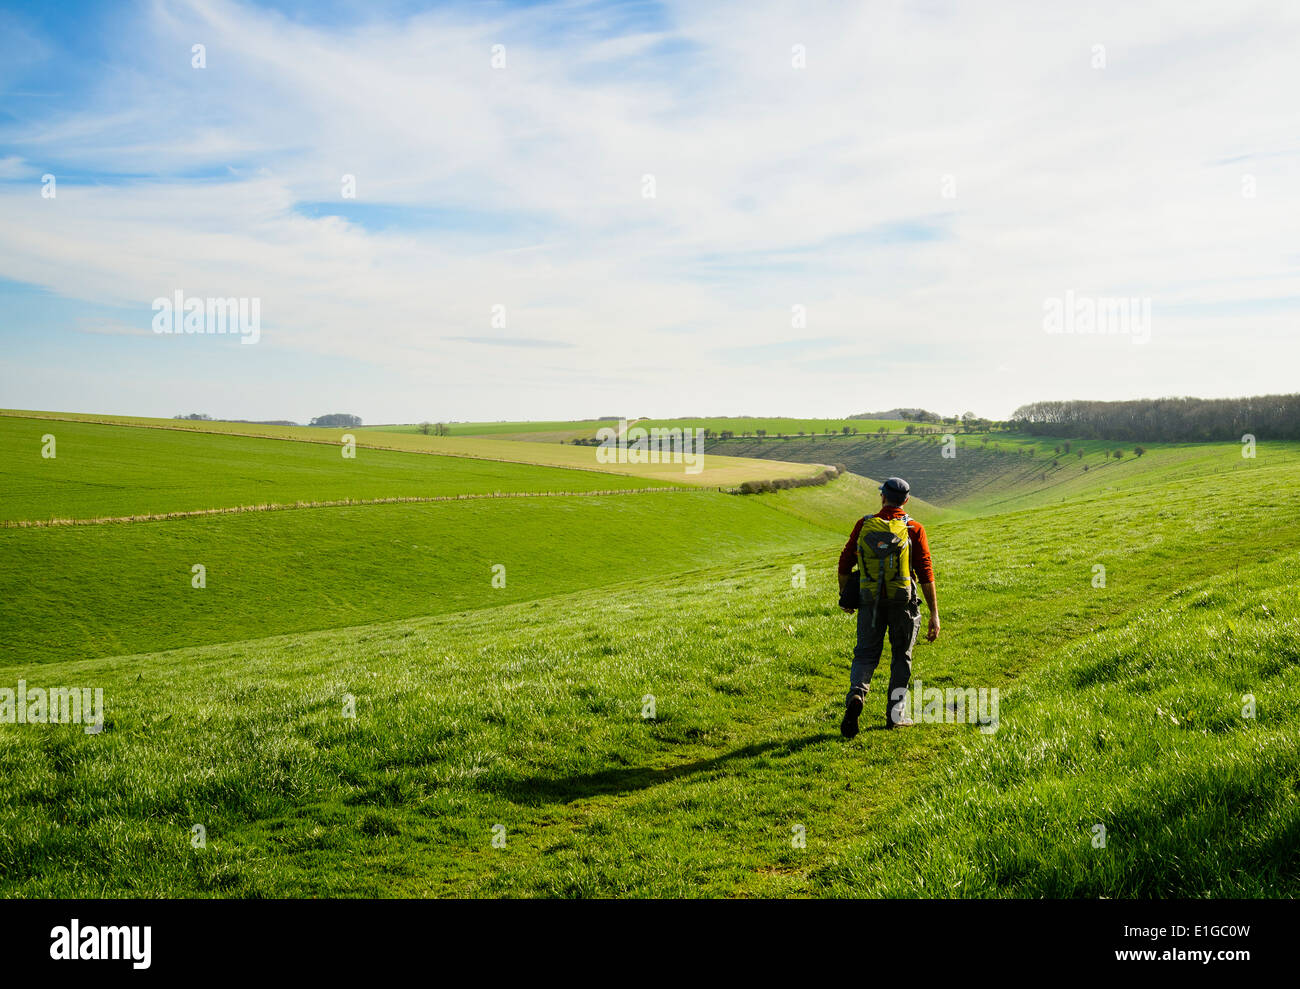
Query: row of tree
x=1168, y=420
x=333, y=419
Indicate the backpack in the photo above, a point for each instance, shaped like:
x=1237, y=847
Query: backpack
x=885, y=559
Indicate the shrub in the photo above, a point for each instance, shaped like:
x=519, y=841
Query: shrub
x=785, y=483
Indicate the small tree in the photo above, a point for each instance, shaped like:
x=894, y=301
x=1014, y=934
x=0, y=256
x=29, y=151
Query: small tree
x=1139, y=450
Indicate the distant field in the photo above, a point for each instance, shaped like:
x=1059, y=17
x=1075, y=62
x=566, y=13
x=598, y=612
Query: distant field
x=530, y=432
x=790, y=427
x=80, y=592
x=104, y=471
x=738, y=425
x=534, y=432
x=718, y=471
x=566, y=432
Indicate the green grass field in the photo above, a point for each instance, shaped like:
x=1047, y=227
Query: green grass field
x=113, y=589
x=715, y=472
x=113, y=471
x=519, y=713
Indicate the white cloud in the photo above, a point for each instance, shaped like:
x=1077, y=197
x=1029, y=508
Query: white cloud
x=773, y=187
x=13, y=167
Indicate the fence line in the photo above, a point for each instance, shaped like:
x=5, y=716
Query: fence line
x=339, y=503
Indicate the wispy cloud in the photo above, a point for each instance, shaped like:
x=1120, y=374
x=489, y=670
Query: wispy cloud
x=13, y=167
x=510, y=342
x=111, y=328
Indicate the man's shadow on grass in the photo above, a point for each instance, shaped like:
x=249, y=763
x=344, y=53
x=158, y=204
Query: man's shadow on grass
x=609, y=782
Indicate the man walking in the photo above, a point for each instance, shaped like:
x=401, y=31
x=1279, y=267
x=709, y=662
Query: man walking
x=893, y=556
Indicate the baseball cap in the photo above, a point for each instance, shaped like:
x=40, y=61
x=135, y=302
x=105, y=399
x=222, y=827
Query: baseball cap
x=895, y=488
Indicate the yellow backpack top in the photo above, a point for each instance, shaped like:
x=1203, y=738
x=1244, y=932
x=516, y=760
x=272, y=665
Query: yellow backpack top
x=885, y=559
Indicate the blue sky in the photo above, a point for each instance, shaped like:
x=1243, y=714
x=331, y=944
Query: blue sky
x=916, y=180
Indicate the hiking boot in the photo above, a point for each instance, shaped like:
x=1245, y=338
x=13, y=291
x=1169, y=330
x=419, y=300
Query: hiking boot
x=903, y=722
x=852, y=708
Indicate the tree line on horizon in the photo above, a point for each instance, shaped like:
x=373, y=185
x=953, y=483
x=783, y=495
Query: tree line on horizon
x=1165, y=420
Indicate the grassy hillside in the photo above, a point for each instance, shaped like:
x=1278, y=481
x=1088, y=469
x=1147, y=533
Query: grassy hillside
x=111, y=589
x=109, y=471
x=1121, y=706
x=840, y=503
x=717, y=471
x=1008, y=471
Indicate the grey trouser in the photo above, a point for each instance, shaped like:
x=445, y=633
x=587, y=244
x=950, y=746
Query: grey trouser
x=903, y=621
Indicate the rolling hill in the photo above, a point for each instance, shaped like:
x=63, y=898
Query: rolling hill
x=649, y=707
